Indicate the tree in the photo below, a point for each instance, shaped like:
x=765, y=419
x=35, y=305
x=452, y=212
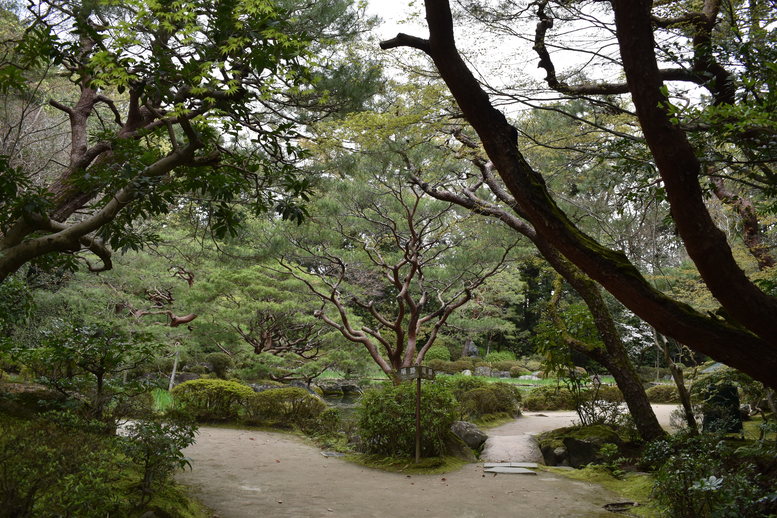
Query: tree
x=744, y=333
x=162, y=103
x=391, y=264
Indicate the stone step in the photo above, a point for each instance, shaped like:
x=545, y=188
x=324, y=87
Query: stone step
x=509, y=470
x=510, y=465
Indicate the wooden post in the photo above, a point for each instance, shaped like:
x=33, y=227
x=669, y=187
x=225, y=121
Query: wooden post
x=418, y=419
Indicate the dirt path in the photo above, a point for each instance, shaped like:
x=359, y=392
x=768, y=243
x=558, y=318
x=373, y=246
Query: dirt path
x=242, y=474
x=514, y=441
x=250, y=474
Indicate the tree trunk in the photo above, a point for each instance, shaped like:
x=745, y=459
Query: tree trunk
x=677, y=376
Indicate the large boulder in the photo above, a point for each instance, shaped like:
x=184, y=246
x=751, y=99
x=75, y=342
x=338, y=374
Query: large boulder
x=469, y=350
x=483, y=371
x=339, y=387
x=469, y=433
x=576, y=446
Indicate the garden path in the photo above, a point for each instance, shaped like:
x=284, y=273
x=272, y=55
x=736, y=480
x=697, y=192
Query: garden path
x=514, y=441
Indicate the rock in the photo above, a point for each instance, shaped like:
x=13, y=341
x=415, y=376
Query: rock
x=470, y=350
x=554, y=456
x=466, y=372
x=500, y=374
x=339, y=387
x=581, y=452
x=455, y=447
x=483, y=371
x=469, y=433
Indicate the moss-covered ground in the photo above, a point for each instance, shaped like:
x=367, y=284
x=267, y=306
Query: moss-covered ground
x=425, y=466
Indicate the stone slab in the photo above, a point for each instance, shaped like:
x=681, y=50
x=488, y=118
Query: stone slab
x=510, y=465
x=512, y=471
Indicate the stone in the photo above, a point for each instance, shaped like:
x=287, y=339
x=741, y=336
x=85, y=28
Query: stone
x=581, y=452
x=483, y=371
x=466, y=372
x=554, y=456
x=510, y=470
x=500, y=374
x=339, y=387
x=470, y=350
x=455, y=447
x=332, y=454
x=469, y=433
x=526, y=465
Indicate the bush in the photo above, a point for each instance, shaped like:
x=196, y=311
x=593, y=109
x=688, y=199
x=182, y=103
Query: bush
x=500, y=356
x=663, y=394
x=328, y=422
x=549, y=398
x=518, y=371
x=441, y=366
x=463, y=364
x=503, y=365
x=387, y=419
x=610, y=393
x=220, y=363
x=491, y=399
x=437, y=352
x=704, y=477
x=287, y=405
x=459, y=384
x=49, y=470
x=212, y=399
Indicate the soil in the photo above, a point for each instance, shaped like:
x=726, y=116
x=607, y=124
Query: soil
x=246, y=473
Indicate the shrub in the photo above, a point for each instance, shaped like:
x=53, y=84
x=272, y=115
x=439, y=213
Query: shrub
x=491, y=399
x=459, y=384
x=663, y=394
x=463, y=364
x=610, y=393
x=549, y=398
x=704, y=477
x=500, y=356
x=287, y=405
x=157, y=448
x=212, y=399
x=49, y=469
x=518, y=371
x=328, y=422
x=437, y=352
x=221, y=363
x=441, y=366
x=387, y=419
x=503, y=365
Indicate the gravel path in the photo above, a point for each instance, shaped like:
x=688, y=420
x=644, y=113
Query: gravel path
x=250, y=474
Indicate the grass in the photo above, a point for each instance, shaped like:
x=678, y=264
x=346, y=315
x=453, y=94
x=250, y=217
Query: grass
x=752, y=429
x=634, y=487
x=163, y=400
x=426, y=466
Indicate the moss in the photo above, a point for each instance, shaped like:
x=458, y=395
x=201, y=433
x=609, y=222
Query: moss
x=426, y=466
x=601, y=432
x=634, y=487
x=174, y=501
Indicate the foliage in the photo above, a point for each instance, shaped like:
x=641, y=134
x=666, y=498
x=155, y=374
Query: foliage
x=437, y=352
x=84, y=362
x=549, y=398
x=460, y=384
x=15, y=305
x=212, y=399
x=489, y=400
x=500, y=356
x=221, y=363
x=50, y=469
x=663, y=394
x=387, y=419
x=157, y=447
x=287, y=405
x=518, y=371
x=705, y=476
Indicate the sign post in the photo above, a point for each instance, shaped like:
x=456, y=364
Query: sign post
x=417, y=373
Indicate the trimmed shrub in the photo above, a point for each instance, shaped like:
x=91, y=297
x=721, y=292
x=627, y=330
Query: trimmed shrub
x=437, y=352
x=503, y=365
x=518, y=371
x=287, y=405
x=491, y=399
x=663, y=394
x=500, y=356
x=458, y=384
x=463, y=364
x=328, y=422
x=441, y=366
x=610, y=393
x=549, y=398
x=387, y=419
x=212, y=399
